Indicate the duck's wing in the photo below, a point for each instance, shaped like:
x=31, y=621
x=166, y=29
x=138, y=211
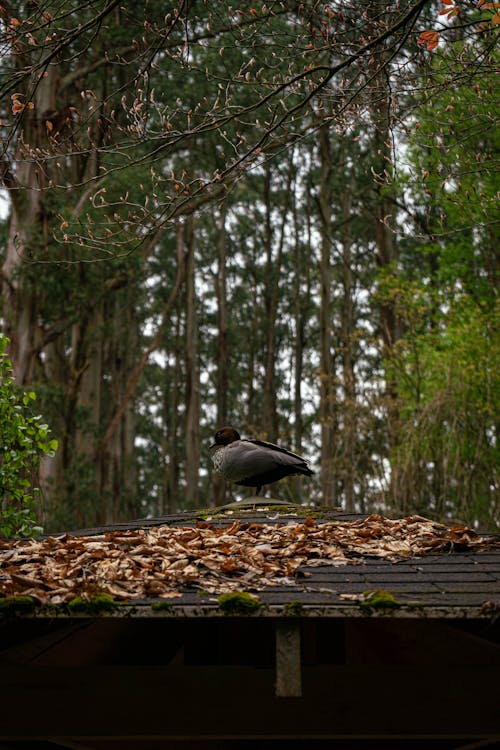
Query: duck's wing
x=244, y=459
x=274, y=447
x=257, y=462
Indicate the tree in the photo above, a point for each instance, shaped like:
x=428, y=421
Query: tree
x=274, y=137
x=447, y=299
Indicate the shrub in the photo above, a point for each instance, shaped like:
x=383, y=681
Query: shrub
x=24, y=439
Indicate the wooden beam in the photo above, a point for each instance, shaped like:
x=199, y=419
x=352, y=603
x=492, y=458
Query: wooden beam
x=288, y=659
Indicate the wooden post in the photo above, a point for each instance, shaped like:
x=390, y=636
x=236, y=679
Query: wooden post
x=288, y=661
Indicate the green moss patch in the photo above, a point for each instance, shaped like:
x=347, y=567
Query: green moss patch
x=162, y=607
x=292, y=609
x=95, y=605
x=238, y=603
x=15, y=606
x=379, y=599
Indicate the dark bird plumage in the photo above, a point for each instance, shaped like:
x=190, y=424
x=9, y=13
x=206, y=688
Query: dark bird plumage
x=253, y=463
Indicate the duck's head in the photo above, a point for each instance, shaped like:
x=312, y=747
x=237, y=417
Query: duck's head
x=225, y=435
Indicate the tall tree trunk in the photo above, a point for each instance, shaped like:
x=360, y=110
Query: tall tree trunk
x=347, y=333
x=61, y=346
x=254, y=343
x=270, y=412
x=300, y=270
x=192, y=431
x=129, y=506
x=78, y=372
x=301, y=302
x=327, y=405
x=386, y=247
x=28, y=228
x=223, y=364
x=118, y=491
x=272, y=296
x=171, y=453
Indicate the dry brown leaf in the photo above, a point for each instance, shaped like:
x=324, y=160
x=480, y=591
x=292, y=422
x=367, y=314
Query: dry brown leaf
x=160, y=560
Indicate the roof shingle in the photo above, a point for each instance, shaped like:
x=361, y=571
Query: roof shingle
x=324, y=566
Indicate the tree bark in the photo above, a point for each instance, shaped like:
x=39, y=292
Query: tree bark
x=300, y=270
x=270, y=412
x=347, y=333
x=272, y=296
x=327, y=405
x=301, y=304
x=171, y=453
x=386, y=247
x=61, y=345
x=28, y=229
x=223, y=364
x=192, y=432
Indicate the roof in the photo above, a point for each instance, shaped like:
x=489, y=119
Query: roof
x=291, y=560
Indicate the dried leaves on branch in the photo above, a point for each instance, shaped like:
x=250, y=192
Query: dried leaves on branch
x=164, y=561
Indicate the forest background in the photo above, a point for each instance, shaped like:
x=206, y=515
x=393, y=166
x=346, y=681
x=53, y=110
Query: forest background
x=280, y=216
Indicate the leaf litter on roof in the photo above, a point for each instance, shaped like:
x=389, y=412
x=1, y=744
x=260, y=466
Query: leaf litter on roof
x=164, y=561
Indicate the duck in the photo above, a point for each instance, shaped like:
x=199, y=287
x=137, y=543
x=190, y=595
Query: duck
x=253, y=463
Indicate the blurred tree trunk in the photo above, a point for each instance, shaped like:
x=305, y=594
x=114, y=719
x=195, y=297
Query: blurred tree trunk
x=301, y=304
x=118, y=489
x=271, y=287
x=327, y=405
x=272, y=295
x=253, y=332
x=28, y=226
x=385, y=243
x=170, y=447
x=223, y=366
x=125, y=339
x=347, y=334
x=301, y=275
x=192, y=431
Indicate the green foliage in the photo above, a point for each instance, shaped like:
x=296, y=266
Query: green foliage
x=443, y=293
x=24, y=438
x=447, y=454
x=453, y=173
